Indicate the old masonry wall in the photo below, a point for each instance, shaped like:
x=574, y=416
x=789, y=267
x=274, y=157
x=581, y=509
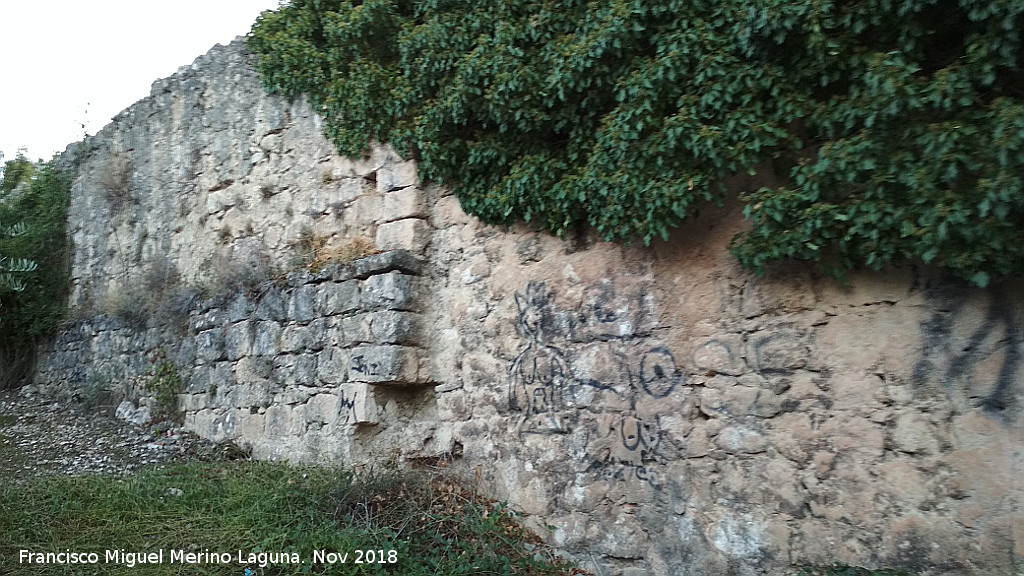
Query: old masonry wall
x=651, y=410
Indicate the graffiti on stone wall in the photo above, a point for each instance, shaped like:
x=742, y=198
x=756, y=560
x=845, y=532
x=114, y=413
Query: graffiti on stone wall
x=610, y=381
x=631, y=433
x=539, y=375
x=974, y=348
x=347, y=407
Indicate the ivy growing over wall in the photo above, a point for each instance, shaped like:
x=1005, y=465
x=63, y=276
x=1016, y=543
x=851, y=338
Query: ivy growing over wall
x=898, y=126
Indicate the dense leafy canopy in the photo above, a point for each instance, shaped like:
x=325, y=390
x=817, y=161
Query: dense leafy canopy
x=898, y=125
x=33, y=301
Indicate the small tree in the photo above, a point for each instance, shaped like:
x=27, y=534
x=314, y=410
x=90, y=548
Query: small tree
x=34, y=271
x=14, y=173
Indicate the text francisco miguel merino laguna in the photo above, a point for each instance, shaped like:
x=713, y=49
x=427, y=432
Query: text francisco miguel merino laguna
x=262, y=559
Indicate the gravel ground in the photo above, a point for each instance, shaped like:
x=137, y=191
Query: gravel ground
x=42, y=437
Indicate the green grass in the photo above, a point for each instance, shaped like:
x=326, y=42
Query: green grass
x=434, y=525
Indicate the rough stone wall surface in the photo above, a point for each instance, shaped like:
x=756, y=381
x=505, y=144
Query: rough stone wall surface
x=651, y=410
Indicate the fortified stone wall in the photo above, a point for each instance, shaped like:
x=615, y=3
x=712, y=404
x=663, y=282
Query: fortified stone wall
x=651, y=410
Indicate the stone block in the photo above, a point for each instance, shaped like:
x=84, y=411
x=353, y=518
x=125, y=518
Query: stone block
x=302, y=305
x=390, y=261
x=357, y=404
x=213, y=319
x=601, y=365
x=384, y=365
x=281, y=421
x=323, y=332
x=393, y=291
x=213, y=377
x=767, y=404
x=356, y=329
x=336, y=271
x=193, y=402
x=322, y=408
x=272, y=305
x=366, y=210
x=295, y=338
x=210, y=346
x=339, y=297
x=248, y=394
x=299, y=394
x=201, y=422
x=238, y=340
x=252, y=369
x=299, y=369
x=393, y=327
x=333, y=365
x=225, y=426
x=267, y=341
x=304, y=369
x=405, y=203
x=448, y=212
x=240, y=308
x=251, y=426
x=398, y=176
x=407, y=234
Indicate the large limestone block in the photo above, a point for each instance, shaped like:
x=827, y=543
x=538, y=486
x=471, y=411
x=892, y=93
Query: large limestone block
x=210, y=346
x=393, y=291
x=404, y=203
x=333, y=365
x=356, y=328
x=394, y=327
x=398, y=176
x=339, y=297
x=302, y=306
x=238, y=340
x=391, y=261
x=268, y=339
x=385, y=365
x=407, y=234
x=357, y=404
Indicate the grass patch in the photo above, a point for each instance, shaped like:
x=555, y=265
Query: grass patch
x=435, y=526
x=314, y=251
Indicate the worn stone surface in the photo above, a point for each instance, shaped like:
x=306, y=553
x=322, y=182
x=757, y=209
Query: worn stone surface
x=661, y=410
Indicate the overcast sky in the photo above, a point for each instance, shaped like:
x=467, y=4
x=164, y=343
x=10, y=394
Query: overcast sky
x=64, y=63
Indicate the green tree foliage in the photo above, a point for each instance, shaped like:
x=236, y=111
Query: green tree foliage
x=12, y=174
x=898, y=125
x=16, y=171
x=10, y=268
x=36, y=302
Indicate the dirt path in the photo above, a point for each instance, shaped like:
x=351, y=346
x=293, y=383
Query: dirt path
x=41, y=437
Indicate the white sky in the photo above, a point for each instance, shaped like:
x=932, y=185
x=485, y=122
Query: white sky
x=64, y=63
